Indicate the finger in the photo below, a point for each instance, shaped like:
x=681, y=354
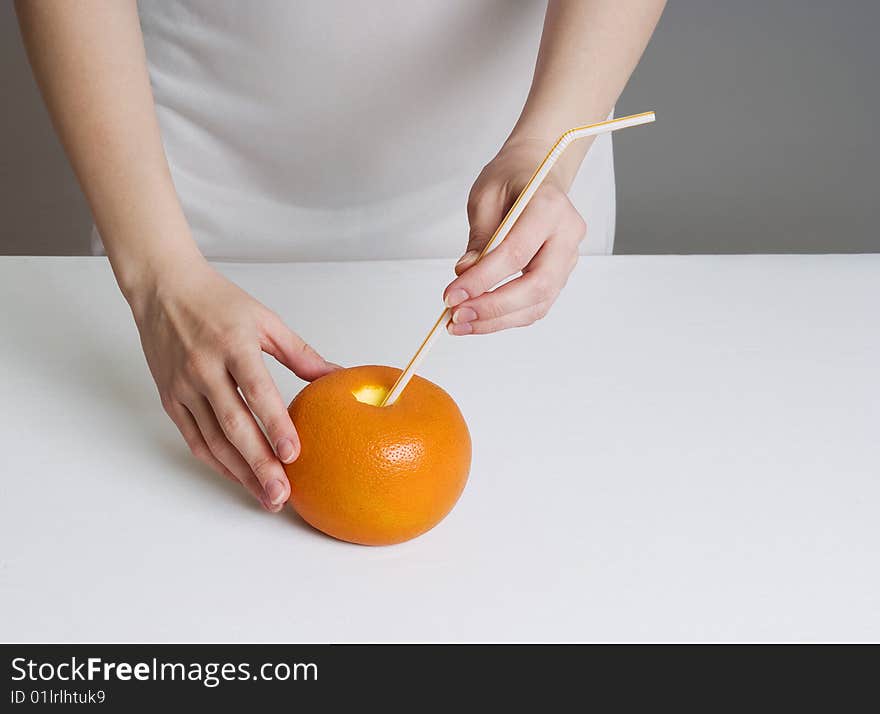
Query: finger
x=262, y=397
x=242, y=431
x=189, y=430
x=511, y=256
x=486, y=209
x=541, y=281
x=520, y=318
x=221, y=447
x=290, y=350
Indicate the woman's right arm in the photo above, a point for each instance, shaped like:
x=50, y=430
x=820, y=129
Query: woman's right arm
x=202, y=336
x=88, y=59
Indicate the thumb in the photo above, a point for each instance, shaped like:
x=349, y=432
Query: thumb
x=294, y=353
x=485, y=213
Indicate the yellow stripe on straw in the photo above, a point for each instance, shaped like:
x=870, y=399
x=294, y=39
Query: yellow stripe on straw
x=519, y=205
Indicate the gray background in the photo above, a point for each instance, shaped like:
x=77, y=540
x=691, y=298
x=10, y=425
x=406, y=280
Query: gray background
x=763, y=142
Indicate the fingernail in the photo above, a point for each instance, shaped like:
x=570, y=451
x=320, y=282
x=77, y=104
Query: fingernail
x=275, y=492
x=468, y=257
x=285, y=450
x=456, y=297
x=334, y=365
x=464, y=314
x=463, y=329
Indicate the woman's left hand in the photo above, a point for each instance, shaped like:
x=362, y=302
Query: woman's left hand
x=543, y=244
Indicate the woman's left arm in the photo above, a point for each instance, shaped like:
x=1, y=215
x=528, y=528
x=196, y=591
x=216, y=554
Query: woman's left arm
x=588, y=50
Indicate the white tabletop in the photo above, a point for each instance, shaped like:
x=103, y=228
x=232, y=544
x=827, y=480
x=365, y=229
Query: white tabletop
x=688, y=448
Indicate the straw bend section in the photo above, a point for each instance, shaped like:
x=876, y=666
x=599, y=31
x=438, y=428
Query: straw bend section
x=513, y=214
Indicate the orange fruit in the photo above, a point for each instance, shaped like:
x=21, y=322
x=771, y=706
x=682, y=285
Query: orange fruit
x=376, y=475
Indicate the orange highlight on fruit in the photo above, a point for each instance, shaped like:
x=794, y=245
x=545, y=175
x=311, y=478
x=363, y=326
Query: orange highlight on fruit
x=376, y=475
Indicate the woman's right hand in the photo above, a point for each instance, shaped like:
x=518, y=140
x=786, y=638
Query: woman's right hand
x=203, y=338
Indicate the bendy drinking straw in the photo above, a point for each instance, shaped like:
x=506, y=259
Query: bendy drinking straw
x=501, y=233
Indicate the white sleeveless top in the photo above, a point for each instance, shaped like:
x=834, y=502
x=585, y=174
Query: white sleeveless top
x=328, y=130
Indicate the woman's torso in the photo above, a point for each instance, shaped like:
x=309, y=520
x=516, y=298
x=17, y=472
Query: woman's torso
x=324, y=130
